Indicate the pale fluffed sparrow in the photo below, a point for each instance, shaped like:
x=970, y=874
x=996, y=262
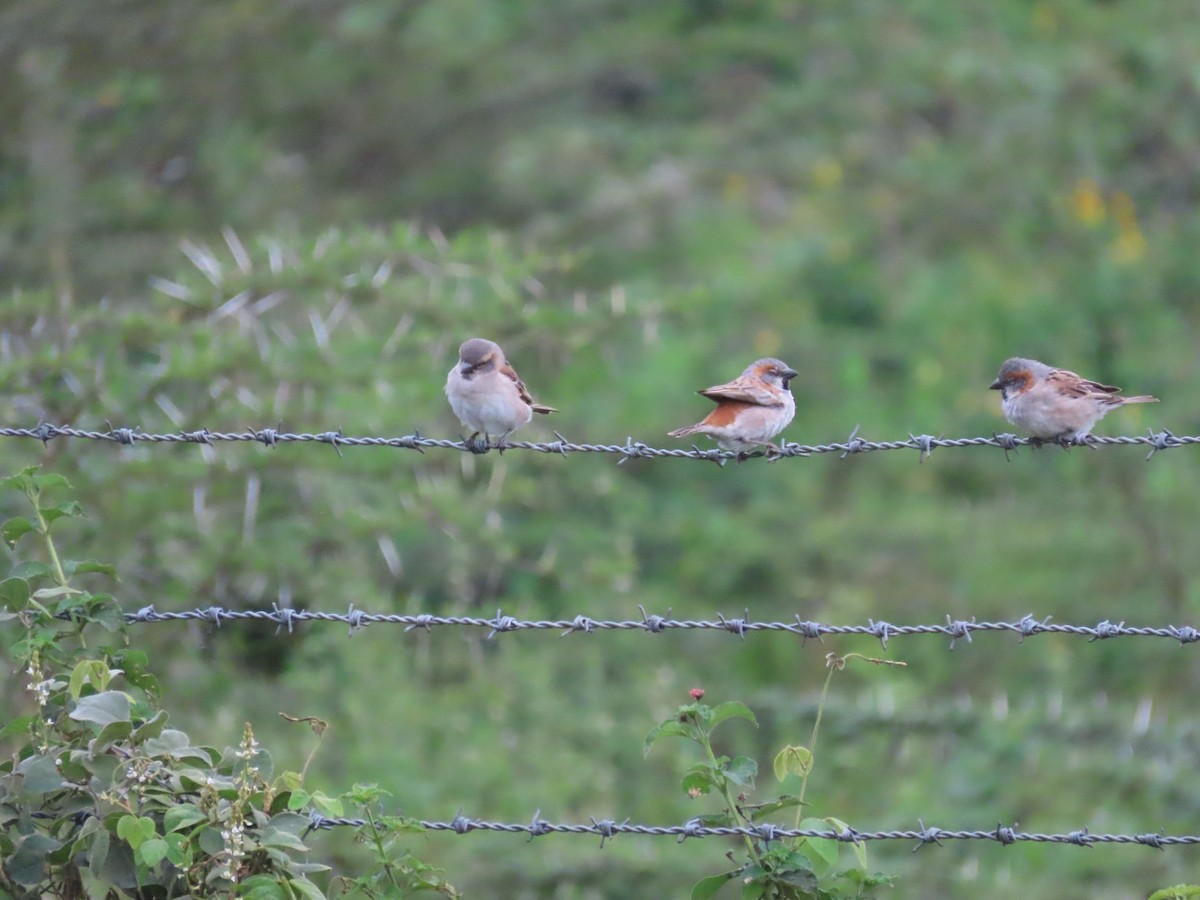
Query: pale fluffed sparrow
x=1054, y=403
x=487, y=395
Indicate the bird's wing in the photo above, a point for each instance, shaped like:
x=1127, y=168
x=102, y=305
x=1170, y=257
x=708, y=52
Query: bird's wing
x=523, y=392
x=744, y=390
x=1073, y=386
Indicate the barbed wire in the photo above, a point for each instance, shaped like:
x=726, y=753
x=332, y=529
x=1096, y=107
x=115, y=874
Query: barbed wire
x=695, y=828
x=925, y=444
x=955, y=629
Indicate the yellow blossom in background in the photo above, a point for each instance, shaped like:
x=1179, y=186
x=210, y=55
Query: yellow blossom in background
x=766, y=342
x=1130, y=244
x=826, y=173
x=735, y=186
x=1087, y=203
x=1044, y=20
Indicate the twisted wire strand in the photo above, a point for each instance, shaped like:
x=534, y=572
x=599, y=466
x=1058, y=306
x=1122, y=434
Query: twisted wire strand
x=695, y=828
x=925, y=444
x=954, y=629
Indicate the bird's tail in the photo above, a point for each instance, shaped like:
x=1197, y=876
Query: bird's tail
x=544, y=410
x=1144, y=398
x=685, y=431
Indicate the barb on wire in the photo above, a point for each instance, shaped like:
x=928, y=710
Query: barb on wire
x=924, y=444
x=694, y=828
x=954, y=629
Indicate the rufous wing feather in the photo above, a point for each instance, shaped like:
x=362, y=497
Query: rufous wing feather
x=743, y=390
x=509, y=372
x=1073, y=385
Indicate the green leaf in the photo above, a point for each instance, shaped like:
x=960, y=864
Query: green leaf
x=699, y=777
x=263, y=887
x=298, y=799
x=860, y=879
x=822, y=851
x=305, y=888
x=709, y=885
x=330, y=806
x=62, y=855
x=365, y=794
x=182, y=815
x=39, y=774
x=97, y=854
x=715, y=820
x=41, y=482
x=1178, y=892
x=19, y=725
x=91, y=673
x=23, y=481
x=15, y=528
x=135, y=830
x=859, y=848
x=732, y=709
x=109, y=618
x=83, y=566
x=118, y=868
x=402, y=824
x=179, y=850
x=14, y=592
x=70, y=508
x=51, y=592
x=152, y=852
x=110, y=734
x=73, y=768
x=211, y=842
x=752, y=890
x=103, y=767
x=29, y=568
x=103, y=709
x=798, y=876
x=285, y=840
x=27, y=865
x=786, y=801
x=133, y=663
x=151, y=728
x=669, y=728
x=792, y=760
x=742, y=770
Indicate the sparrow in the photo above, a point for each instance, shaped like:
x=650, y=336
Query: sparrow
x=751, y=409
x=1054, y=403
x=487, y=395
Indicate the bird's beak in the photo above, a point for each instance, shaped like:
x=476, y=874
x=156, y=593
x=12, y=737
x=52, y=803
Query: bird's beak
x=995, y=385
x=789, y=374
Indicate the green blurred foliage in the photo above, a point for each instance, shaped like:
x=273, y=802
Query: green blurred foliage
x=635, y=200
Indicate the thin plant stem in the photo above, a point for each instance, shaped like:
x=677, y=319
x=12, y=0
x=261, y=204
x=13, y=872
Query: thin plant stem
x=812, y=743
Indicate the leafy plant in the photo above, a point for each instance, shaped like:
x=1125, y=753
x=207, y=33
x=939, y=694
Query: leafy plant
x=397, y=871
x=790, y=868
x=1177, y=892
x=101, y=798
